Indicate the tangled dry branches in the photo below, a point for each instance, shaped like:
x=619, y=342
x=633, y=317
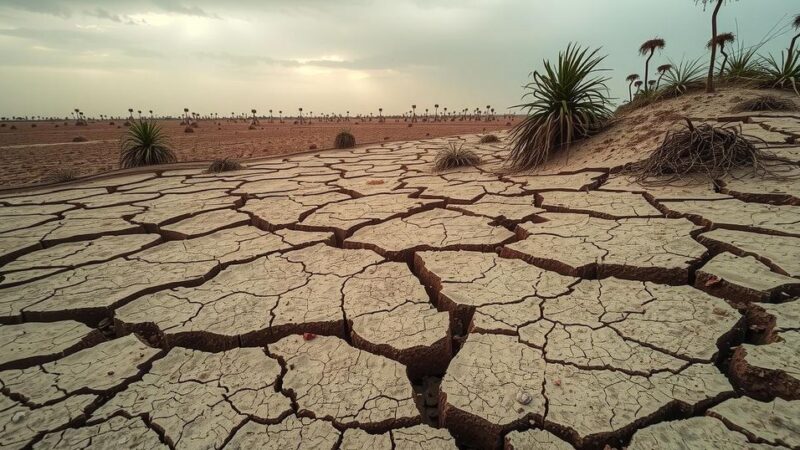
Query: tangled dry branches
x=710, y=151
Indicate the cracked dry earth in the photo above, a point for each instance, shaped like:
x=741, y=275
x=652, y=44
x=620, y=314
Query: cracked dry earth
x=357, y=300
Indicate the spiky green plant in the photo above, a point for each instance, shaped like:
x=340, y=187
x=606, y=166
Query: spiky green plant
x=783, y=73
x=145, y=144
x=744, y=65
x=683, y=76
x=569, y=101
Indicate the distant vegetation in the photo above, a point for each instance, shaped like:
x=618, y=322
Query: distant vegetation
x=145, y=144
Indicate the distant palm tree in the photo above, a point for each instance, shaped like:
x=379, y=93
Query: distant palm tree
x=301, y=114
x=270, y=116
x=186, y=115
x=638, y=85
x=649, y=49
x=380, y=114
x=435, y=112
x=130, y=113
x=280, y=116
x=662, y=69
x=413, y=113
x=255, y=120
x=720, y=41
x=151, y=113
x=710, y=79
x=140, y=114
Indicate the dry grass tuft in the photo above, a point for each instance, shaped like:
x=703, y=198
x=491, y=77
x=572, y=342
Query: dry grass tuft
x=489, y=138
x=714, y=152
x=63, y=175
x=188, y=130
x=453, y=156
x=344, y=139
x=765, y=103
x=224, y=165
x=79, y=139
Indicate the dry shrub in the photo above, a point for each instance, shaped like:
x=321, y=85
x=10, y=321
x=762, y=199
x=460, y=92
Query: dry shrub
x=704, y=149
x=188, y=130
x=489, y=138
x=312, y=147
x=224, y=165
x=344, y=139
x=251, y=127
x=453, y=156
x=79, y=139
x=62, y=175
x=765, y=103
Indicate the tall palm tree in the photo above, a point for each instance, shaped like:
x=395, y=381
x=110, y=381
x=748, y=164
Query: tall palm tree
x=130, y=113
x=435, y=112
x=139, y=111
x=662, y=70
x=717, y=6
x=255, y=120
x=270, y=116
x=649, y=49
x=632, y=78
x=413, y=113
x=301, y=114
x=720, y=41
x=638, y=85
x=186, y=115
x=380, y=114
x=151, y=113
x=796, y=26
x=280, y=116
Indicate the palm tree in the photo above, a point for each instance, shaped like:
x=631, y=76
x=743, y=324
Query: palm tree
x=720, y=41
x=130, y=113
x=280, y=116
x=413, y=113
x=140, y=113
x=662, y=69
x=488, y=107
x=435, y=112
x=380, y=114
x=186, y=115
x=270, y=116
x=255, y=120
x=151, y=113
x=649, y=49
x=710, y=79
x=301, y=114
x=638, y=85
x=796, y=26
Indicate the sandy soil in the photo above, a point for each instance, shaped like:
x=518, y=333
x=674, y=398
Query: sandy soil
x=31, y=154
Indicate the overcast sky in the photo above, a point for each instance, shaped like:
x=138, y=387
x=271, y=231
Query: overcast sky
x=105, y=56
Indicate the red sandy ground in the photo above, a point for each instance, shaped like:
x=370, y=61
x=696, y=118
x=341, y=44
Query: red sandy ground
x=32, y=154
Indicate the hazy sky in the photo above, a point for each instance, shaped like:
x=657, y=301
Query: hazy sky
x=105, y=56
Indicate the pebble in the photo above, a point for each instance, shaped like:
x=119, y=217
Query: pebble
x=523, y=398
x=18, y=416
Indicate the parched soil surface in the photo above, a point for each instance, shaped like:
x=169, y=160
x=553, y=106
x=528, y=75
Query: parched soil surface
x=35, y=151
x=357, y=300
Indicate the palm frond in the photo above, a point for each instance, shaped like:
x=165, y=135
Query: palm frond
x=683, y=76
x=569, y=101
x=783, y=73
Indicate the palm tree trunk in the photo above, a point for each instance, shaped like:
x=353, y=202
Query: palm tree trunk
x=647, y=69
x=630, y=92
x=791, y=49
x=658, y=83
x=710, y=80
x=724, y=60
